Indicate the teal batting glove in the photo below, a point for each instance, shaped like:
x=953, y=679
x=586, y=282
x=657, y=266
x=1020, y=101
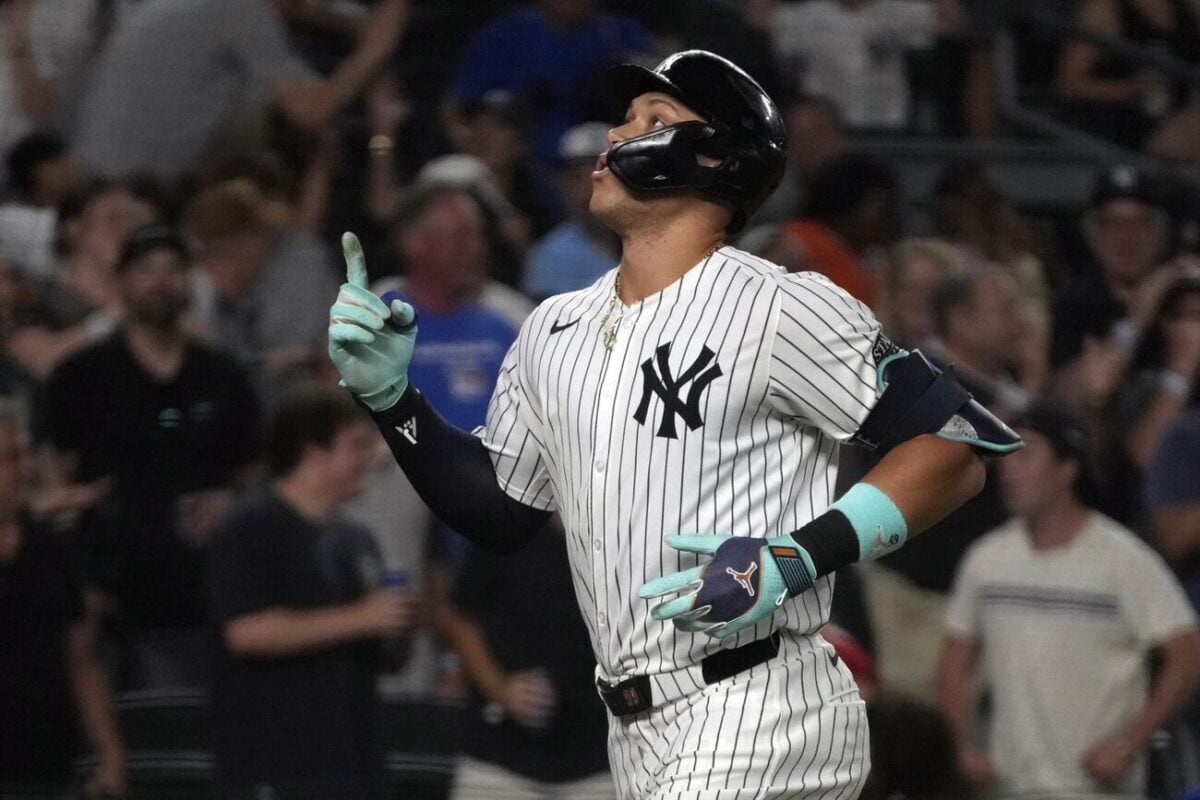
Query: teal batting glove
x=370, y=343
x=747, y=579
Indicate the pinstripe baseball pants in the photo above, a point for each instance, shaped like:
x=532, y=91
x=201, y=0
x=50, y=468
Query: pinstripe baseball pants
x=793, y=727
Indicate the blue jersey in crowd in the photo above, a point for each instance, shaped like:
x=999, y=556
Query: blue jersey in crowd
x=552, y=69
x=455, y=364
x=456, y=361
x=564, y=261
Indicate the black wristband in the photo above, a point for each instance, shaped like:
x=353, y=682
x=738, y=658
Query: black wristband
x=830, y=541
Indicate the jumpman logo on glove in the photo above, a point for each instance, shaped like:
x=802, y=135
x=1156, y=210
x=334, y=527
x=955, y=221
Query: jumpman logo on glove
x=709, y=602
x=743, y=577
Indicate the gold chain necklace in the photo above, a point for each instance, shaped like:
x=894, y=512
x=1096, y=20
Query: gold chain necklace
x=608, y=333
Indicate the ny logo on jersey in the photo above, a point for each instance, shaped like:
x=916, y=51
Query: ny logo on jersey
x=657, y=380
x=743, y=577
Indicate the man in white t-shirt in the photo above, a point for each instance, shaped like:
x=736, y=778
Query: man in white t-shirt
x=1058, y=610
x=854, y=51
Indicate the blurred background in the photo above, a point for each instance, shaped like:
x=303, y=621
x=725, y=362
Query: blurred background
x=214, y=581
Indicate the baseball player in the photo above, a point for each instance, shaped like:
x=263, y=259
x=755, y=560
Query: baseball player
x=684, y=416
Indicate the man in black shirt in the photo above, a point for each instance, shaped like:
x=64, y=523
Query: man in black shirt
x=1127, y=230
x=51, y=688
x=173, y=424
x=535, y=727
x=294, y=597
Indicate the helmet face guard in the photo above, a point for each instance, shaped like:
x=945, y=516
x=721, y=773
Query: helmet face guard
x=742, y=131
x=662, y=160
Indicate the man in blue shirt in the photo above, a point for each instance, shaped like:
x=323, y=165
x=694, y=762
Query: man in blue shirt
x=581, y=249
x=441, y=235
x=549, y=52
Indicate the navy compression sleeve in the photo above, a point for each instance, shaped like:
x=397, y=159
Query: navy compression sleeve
x=452, y=472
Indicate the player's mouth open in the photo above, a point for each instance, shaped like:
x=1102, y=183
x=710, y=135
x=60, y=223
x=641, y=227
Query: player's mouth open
x=601, y=164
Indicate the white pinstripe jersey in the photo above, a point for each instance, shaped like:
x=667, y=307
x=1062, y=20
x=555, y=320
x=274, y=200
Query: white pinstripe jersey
x=744, y=378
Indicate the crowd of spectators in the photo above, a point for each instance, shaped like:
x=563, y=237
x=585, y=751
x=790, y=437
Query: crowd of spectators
x=187, y=500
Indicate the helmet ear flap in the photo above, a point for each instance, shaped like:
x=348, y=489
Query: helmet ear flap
x=714, y=141
x=718, y=145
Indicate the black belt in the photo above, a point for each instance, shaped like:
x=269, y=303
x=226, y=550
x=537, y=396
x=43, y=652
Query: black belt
x=633, y=695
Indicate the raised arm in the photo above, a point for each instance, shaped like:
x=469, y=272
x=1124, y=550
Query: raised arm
x=1075, y=78
x=311, y=104
x=371, y=344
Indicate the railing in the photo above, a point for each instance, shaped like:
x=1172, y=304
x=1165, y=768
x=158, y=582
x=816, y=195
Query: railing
x=1035, y=13
x=166, y=736
x=1052, y=173
x=1044, y=123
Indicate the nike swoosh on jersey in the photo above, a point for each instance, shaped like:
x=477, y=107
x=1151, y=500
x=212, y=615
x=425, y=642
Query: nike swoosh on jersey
x=557, y=328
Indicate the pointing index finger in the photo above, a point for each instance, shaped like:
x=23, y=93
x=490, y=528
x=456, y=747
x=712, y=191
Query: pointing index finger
x=356, y=265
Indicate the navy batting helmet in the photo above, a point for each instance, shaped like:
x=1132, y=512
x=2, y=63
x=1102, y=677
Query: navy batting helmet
x=742, y=130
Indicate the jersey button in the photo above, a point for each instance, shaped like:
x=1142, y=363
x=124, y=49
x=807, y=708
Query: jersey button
x=597, y=545
x=629, y=322
x=603, y=620
x=600, y=465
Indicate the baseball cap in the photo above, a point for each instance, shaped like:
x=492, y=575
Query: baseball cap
x=1125, y=182
x=148, y=239
x=468, y=174
x=584, y=142
x=1059, y=426
x=501, y=104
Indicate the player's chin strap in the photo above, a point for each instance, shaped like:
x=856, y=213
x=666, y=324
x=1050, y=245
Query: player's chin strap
x=918, y=398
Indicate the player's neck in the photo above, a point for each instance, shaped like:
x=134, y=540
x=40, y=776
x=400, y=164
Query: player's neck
x=653, y=260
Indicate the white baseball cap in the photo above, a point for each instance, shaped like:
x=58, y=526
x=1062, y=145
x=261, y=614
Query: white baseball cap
x=583, y=142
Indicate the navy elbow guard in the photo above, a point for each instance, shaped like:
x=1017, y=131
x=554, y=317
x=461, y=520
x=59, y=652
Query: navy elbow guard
x=918, y=398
